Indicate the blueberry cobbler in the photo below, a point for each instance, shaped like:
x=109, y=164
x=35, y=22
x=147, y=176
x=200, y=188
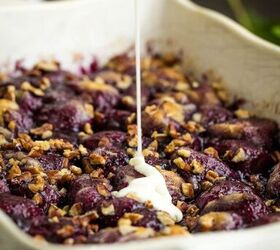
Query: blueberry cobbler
x=66, y=140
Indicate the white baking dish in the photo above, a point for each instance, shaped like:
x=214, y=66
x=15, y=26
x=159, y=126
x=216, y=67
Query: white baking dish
x=250, y=68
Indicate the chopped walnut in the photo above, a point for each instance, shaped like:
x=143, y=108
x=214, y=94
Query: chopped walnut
x=158, y=136
x=187, y=189
x=181, y=86
x=212, y=176
x=275, y=209
x=66, y=231
x=75, y=210
x=125, y=82
x=41, y=145
x=48, y=66
x=212, y=152
x=124, y=226
x=83, y=150
x=60, y=144
x=42, y=129
x=75, y=170
x=14, y=171
x=194, y=127
x=38, y=199
x=276, y=156
x=45, y=83
x=89, y=85
x=172, y=131
x=240, y=156
x=24, y=177
x=213, y=220
x=96, y=159
x=88, y=129
x=54, y=211
x=102, y=190
x=3, y=140
x=179, y=162
x=151, y=150
x=184, y=153
x=148, y=203
x=196, y=167
x=165, y=218
x=132, y=142
x=6, y=105
x=98, y=173
x=11, y=93
x=28, y=87
x=131, y=152
x=197, y=117
x=142, y=232
x=12, y=125
x=128, y=100
x=71, y=154
x=173, y=109
x=89, y=110
x=270, y=202
x=231, y=129
x=35, y=169
x=131, y=119
x=108, y=210
x=37, y=185
x=192, y=210
x=242, y=113
x=40, y=239
x=133, y=217
x=175, y=230
x=69, y=241
x=170, y=148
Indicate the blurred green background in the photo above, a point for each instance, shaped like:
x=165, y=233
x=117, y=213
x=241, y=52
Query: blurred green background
x=261, y=17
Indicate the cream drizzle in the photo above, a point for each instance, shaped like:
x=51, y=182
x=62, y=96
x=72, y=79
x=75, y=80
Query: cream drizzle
x=152, y=187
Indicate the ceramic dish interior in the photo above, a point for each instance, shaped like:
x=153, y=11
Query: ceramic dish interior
x=209, y=40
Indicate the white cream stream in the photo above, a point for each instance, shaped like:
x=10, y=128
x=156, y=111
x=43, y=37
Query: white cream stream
x=152, y=187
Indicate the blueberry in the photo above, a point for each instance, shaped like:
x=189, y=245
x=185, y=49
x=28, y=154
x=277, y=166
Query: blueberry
x=60, y=230
x=114, y=138
x=30, y=103
x=51, y=161
x=197, y=166
x=258, y=131
x=149, y=219
x=267, y=219
x=121, y=206
x=211, y=114
x=50, y=195
x=115, y=158
x=243, y=155
x=203, y=95
x=244, y=202
x=20, y=209
x=108, y=235
x=222, y=188
x=4, y=187
x=68, y=116
x=24, y=121
x=113, y=119
x=123, y=176
x=84, y=190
